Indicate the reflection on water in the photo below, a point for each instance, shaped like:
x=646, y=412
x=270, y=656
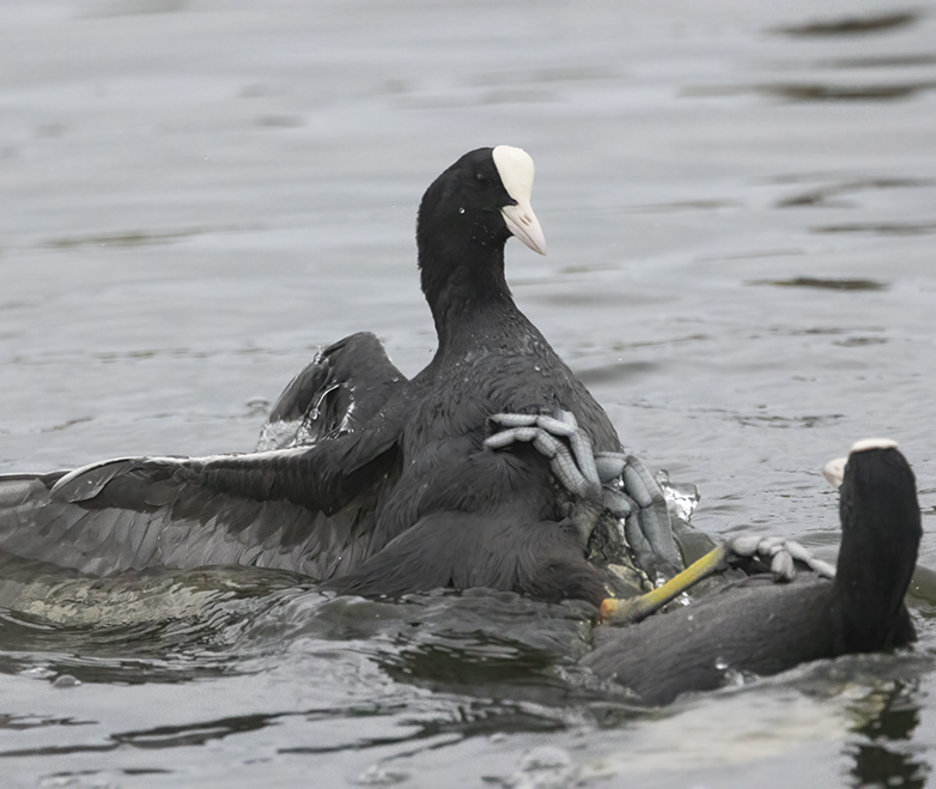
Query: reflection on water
x=840, y=86
x=850, y=92
x=473, y=719
x=822, y=284
x=880, y=228
x=881, y=754
x=829, y=196
x=127, y=239
x=852, y=25
x=820, y=91
x=106, y=8
x=878, y=61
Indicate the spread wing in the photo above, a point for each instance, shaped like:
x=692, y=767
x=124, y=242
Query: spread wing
x=309, y=508
x=341, y=390
x=289, y=509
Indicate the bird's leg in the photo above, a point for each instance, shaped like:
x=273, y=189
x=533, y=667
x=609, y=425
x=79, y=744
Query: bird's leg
x=773, y=552
x=622, y=485
x=615, y=611
x=611, y=481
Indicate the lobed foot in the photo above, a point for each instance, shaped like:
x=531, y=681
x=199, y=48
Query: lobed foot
x=611, y=481
x=778, y=554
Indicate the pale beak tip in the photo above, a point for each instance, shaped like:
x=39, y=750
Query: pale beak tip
x=522, y=223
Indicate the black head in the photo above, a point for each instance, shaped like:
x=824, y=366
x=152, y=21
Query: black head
x=488, y=192
x=465, y=218
x=877, y=490
x=881, y=533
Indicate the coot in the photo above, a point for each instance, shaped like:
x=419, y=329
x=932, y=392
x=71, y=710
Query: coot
x=762, y=627
x=386, y=486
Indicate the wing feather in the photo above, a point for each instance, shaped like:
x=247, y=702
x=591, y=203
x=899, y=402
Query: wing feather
x=290, y=509
x=309, y=505
x=341, y=390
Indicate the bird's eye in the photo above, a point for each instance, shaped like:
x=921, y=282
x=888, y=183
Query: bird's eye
x=480, y=178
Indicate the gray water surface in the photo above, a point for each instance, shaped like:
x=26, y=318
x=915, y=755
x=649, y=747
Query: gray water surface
x=740, y=204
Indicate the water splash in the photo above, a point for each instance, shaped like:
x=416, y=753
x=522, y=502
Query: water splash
x=681, y=498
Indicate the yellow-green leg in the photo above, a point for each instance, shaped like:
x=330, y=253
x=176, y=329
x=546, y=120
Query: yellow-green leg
x=633, y=609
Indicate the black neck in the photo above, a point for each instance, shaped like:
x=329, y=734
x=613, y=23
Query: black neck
x=880, y=538
x=463, y=279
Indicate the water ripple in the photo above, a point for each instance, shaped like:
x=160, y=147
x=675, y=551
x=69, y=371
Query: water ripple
x=852, y=25
x=828, y=283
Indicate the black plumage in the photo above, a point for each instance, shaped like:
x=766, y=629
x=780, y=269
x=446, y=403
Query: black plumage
x=383, y=485
x=763, y=627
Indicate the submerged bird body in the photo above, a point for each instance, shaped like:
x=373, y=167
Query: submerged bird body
x=386, y=486
x=761, y=627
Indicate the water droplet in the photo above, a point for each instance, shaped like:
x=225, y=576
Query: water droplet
x=681, y=499
x=734, y=678
x=545, y=766
x=66, y=681
x=545, y=757
x=375, y=775
x=40, y=672
x=258, y=405
x=461, y=210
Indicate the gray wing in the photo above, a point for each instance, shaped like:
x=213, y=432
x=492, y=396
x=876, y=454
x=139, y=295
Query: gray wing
x=309, y=510
x=341, y=390
x=309, y=505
